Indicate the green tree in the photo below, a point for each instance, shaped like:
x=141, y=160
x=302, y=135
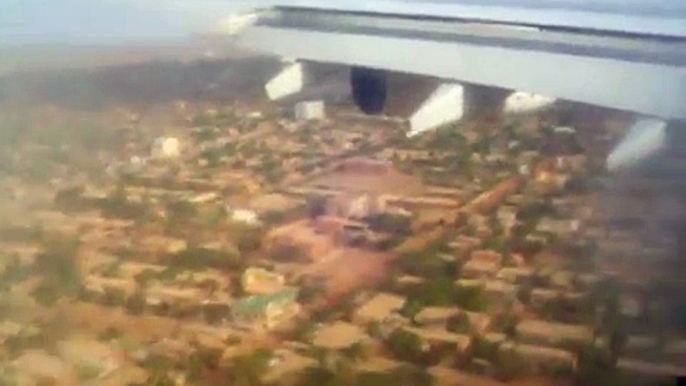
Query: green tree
x=509, y=364
x=320, y=376
x=145, y=277
x=57, y=265
x=357, y=351
x=470, y=298
x=135, y=304
x=305, y=332
x=596, y=368
x=249, y=369
x=411, y=308
x=405, y=345
x=111, y=333
x=438, y=291
x=413, y=375
x=114, y=297
x=14, y=272
x=375, y=378
x=507, y=322
x=45, y=294
x=459, y=324
x=375, y=330
x=484, y=349
x=249, y=241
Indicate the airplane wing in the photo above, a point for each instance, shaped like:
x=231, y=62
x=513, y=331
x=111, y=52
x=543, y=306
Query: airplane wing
x=621, y=54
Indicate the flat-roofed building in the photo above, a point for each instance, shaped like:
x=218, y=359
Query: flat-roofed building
x=436, y=316
x=543, y=359
x=309, y=244
x=474, y=269
x=650, y=369
x=260, y=281
x=464, y=245
x=284, y=364
x=266, y=311
x=553, y=334
x=379, y=308
x=515, y=275
x=479, y=321
x=41, y=367
x=339, y=335
x=486, y=256
x=499, y=291
x=438, y=336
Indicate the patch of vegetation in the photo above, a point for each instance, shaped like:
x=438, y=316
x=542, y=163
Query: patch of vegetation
x=375, y=330
x=249, y=369
x=470, y=298
x=481, y=348
x=405, y=345
x=411, y=308
x=357, y=351
x=509, y=365
x=202, y=119
x=135, y=304
x=69, y=199
x=459, y=324
x=15, y=272
x=271, y=169
x=506, y=322
x=249, y=241
x=423, y=264
x=46, y=294
x=199, y=258
x=438, y=292
x=112, y=270
x=390, y=223
x=114, y=297
x=402, y=375
x=144, y=278
x=118, y=205
x=87, y=371
x=535, y=211
x=58, y=270
x=111, y=333
x=596, y=368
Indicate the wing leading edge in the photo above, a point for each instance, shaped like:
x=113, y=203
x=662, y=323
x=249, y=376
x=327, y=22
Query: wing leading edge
x=627, y=70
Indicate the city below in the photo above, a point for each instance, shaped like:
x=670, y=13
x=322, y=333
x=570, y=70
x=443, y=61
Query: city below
x=158, y=235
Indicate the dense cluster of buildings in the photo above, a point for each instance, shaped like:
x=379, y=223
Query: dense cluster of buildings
x=229, y=237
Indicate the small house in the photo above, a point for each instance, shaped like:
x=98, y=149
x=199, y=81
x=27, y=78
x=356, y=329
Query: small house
x=441, y=337
x=260, y=281
x=245, y=216
x=166, y=148
x=339, y=335
x=480, y=269
x=436, y=316
x=515, y=275
x=553, y=334
x=379, y=308
x=543, y=359
x=266, y=311
x=465, y=244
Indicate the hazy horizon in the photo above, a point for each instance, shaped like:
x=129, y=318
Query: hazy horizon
x=110, y=22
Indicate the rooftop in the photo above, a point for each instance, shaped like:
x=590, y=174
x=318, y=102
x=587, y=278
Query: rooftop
x=258, y=303
x=554, y=331
x=380, y=306
x=339, y=335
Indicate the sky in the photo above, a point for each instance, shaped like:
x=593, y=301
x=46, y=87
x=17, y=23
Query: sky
x=110, y=21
